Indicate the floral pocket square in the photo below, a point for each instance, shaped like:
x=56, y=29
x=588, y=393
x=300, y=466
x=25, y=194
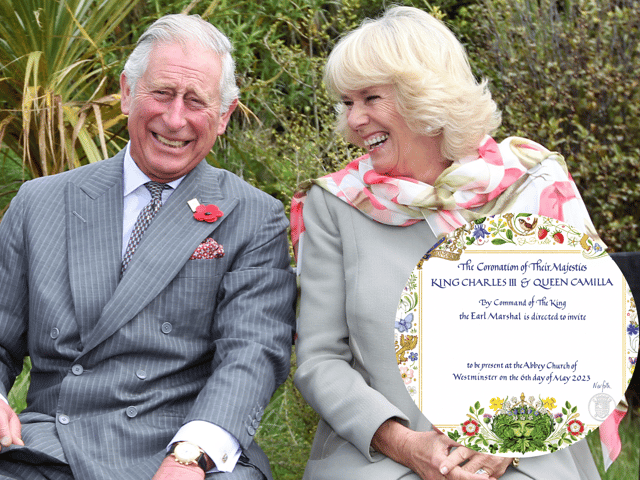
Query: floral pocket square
x=207, y=250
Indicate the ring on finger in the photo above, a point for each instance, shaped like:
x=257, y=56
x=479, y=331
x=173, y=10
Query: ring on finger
x=482, y=471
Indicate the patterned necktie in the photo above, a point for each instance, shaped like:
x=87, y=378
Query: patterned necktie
x=143, y=220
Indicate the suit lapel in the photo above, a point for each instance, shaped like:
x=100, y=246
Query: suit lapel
x=166, y=246
x=94, y=238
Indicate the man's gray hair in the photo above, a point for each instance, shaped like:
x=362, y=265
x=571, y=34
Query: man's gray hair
x=182, y=29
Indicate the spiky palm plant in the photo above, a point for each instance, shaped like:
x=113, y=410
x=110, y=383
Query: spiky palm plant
x=54, y=111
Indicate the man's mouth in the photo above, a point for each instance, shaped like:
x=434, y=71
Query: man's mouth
x=170, y=143
x=376, y=141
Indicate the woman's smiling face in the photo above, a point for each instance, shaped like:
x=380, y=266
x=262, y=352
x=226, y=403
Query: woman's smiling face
x=395, y=150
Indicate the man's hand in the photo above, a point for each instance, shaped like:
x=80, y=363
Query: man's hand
x=10, y=427
x=172, y=470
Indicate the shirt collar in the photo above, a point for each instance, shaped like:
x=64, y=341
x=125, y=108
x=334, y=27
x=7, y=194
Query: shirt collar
x=133, y=177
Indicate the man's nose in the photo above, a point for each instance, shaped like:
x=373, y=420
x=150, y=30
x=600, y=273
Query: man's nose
x=174, y=116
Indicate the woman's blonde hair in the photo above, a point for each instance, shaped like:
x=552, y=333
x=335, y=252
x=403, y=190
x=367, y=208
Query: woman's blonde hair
x=436, y=91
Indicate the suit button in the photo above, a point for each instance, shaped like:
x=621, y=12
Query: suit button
x=63, y=419
x=141, y=374
x=55, y=333
x=255, y=424
x=132, y=412
x=166, y=328
x=77, y=369
x=251, y=430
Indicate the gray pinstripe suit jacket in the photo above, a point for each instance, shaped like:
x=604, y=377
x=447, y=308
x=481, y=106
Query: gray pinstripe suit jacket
x=119, y=366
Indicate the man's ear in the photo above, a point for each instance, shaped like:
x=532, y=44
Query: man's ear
x=224, y=118
x=125, y=99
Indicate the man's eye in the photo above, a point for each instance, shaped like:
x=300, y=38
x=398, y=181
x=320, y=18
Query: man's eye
x=196, y=102
x=347, y=103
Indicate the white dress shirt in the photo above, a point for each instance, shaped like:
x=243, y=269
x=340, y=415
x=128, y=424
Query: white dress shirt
x=222, y=447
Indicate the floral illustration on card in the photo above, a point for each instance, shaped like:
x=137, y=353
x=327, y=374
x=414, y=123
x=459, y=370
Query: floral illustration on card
x=519, y=425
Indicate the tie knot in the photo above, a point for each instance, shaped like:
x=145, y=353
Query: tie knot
x=156, y=188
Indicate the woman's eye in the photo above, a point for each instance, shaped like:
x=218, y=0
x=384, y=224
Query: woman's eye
x=371, y=98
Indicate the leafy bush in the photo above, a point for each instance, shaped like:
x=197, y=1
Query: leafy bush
x=565, y=75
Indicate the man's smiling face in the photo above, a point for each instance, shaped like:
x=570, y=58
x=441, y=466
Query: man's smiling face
x=174, y=114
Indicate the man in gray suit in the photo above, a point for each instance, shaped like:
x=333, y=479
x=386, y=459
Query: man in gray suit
x=157, y=334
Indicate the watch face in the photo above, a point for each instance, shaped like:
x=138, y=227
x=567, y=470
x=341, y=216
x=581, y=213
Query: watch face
x=186, y=452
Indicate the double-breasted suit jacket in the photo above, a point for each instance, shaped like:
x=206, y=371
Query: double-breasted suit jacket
x=120, y=365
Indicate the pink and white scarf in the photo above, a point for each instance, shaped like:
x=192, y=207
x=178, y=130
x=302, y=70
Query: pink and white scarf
x=532, y=179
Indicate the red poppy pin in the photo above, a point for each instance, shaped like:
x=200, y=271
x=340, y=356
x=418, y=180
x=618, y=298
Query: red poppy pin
x=207, y=213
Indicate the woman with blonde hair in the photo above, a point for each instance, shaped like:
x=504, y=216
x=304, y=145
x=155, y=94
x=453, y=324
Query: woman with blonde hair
x=407, y=96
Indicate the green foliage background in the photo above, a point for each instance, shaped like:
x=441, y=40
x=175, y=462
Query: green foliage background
x=564, y=73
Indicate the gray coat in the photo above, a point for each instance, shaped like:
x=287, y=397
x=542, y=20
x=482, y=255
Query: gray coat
x=353, y=273
x=120, y=366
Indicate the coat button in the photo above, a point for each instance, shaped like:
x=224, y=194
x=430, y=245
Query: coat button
x=251, y=430
x=141, y=374
x=255, y=424
x=77, y=369
x=166, y=328
x=63, y=419
x=55, y=333
x=132, y=412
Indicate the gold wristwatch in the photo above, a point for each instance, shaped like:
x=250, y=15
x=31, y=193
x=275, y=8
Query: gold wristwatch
x=187, y=453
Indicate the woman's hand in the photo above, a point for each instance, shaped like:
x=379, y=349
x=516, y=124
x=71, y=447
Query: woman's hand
x=493, y=465
x=429, y=454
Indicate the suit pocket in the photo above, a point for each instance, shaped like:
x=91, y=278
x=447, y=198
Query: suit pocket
x=203, y=268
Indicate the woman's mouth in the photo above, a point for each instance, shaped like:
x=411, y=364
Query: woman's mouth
x=376, y=141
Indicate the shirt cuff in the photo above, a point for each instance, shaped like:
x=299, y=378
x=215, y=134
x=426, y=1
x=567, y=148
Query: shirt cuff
x=220, y=445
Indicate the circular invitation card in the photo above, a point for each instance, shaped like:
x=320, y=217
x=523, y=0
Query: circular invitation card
x=516, y=335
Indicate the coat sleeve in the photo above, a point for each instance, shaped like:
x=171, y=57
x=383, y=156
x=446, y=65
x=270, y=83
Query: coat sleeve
x=252, y=325
x=13, y=295
x=325, y=375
